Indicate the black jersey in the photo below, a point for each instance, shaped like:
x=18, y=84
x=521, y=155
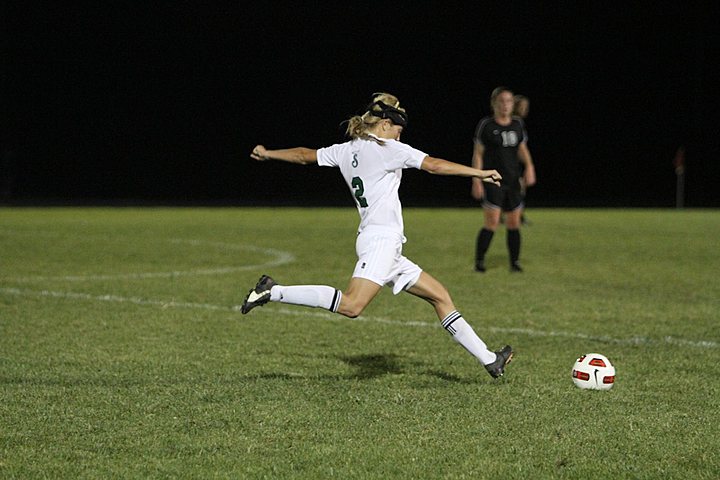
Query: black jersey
x=501, y=147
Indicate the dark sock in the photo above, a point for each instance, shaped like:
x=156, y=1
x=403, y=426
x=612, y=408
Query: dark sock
x=513, y=244
x=483, y=243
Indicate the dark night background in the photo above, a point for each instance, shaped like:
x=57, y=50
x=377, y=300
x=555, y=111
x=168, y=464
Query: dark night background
x=161, y=102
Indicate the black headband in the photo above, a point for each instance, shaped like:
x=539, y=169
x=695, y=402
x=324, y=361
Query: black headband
x=398, y=117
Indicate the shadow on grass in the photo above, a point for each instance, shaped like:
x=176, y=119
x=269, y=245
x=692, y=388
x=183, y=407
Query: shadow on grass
x=371, y=366
x=367, y=367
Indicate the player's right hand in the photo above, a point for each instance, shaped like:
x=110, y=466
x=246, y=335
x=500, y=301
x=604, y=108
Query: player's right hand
x=492, y=176
x=259, y=153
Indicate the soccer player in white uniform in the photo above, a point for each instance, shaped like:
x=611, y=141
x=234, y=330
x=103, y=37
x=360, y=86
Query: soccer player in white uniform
x=371, y=164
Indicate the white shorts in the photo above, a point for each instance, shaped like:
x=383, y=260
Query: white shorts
x=381, y=261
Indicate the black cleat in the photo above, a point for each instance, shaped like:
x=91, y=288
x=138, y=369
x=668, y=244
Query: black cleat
x=497, y=368
x=515, y=267
x=480, y=265
x=259, y=295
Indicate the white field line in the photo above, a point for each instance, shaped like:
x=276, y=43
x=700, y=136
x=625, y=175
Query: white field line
x=277, y=257
x=318, y=314
x=110, y=298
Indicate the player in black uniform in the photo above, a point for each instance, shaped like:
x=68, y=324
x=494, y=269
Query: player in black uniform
x=522, y=109
x=500, y=144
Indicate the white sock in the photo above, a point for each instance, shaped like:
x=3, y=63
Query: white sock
x=317, y=296
x=463, y=333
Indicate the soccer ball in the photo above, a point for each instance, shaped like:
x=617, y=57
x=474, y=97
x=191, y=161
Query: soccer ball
x=594, y=372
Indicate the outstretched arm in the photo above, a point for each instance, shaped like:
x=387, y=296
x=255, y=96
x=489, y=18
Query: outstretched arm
x=438, y=166
x=299, y=155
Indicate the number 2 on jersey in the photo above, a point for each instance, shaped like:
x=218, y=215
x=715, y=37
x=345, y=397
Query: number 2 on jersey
x=357, y=184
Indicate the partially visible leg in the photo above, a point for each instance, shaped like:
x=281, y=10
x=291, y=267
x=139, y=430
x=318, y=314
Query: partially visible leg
x=523, y=193
x=316, y=296
x=514, y=220
x=377, y=253
x=350, y=303
x=491, y=221
x=434, y=292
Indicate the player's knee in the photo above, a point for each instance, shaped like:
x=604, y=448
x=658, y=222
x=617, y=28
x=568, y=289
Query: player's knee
x=350, y=308
x=350, y=312
x=441, y=297
x=444, y=298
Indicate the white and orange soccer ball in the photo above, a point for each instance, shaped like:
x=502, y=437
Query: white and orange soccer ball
x=594, y=372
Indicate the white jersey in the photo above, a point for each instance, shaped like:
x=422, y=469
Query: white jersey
x=373, y=173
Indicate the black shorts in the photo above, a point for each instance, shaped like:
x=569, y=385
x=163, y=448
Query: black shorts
x=508, y=198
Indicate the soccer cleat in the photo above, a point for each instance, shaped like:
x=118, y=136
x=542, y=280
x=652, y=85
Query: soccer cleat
x=259, y=295
x=497, y=368
x=480, y=265
x=515, y=267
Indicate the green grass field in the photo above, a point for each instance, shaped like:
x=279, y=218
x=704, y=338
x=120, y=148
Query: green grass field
x=123, y=354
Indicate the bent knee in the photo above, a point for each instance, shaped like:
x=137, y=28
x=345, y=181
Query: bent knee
x=350, y=312
x=445, y=300
x=351, y=309
x=441, y=297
